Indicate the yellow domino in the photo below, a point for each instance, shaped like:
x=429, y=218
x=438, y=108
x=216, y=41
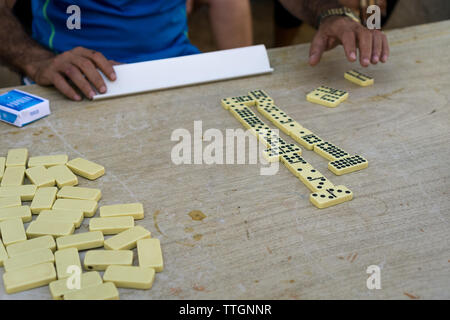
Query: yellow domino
x=22, y=212
x=28, y=278
x=358, y=78
x=17, y=158
x=13, y=176
x=12, y=231
x=313, y=179
x=347, y=165
x=130, y=277
x=295, y=163
x=112, y=225
x=307, y=141
x=127, y=239
x=3, y=253
x=329, y=151
x=10, y=202
x=64, y=259
x=29, y=259
x=99, y=260
x=136, y=210
x=327, y=96
x=2, y=166
x=80, y=193
x=81, y=241
x=272, y=154
x=330, y=197
x=104, y=291
x=44, y=242
x=89, y=207
x=55, y=229
x=150, y=254
x=73, y=216
x=261, y=96
x=244, y=100
x=43, y=199
x=25, y=192
x=59, y=288
x=63, y=176
x=48, y=161
x=40, y=176
x=86, y=169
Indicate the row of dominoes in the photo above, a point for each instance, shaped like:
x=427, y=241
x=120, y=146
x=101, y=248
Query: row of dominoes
x=324, y=193
x=330, y=97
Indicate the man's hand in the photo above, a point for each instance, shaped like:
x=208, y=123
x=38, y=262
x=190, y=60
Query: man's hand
x=78, y=65
x=372, y=44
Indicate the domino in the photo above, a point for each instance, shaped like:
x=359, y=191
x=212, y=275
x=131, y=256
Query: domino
x=313, y=179
x=294, y=163
x=89, y=207
x=29, y=259
x=40, y=177
x=2, y=166
x=12, y=231
x=308, y=141
x=358, y=78
x=150, y=254
x=22, y=212
x=130, y=277
x=86, y=169
x=29, y=277
x=135, y=210
x=99, y=260
x=10, y=202
x=59, y=288
x=330, y=197
x=261, y=97
x=347, y=165
x=17, y=158
x=103, y=291
x=64, y=259
x=327, y=96
x=48, y=161
x=81, y=241
x=329, y=151
x=43, y=199
x=3, y=253
x=80, y=193
x=272, y=154
x=241, y=114
x=13, y=176
x=25, y=192
x=54, y=229
x=69, y=216
x=127, y=239
x=63, y=176
x=245, y=100
x=290, y=148
x=112, y=225
x=20, y=248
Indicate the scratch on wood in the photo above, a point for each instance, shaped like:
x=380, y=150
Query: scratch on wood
x=411, y=296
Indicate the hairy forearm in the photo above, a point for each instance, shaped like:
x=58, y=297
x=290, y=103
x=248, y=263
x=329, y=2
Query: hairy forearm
x=17, y=49
x=309, y=10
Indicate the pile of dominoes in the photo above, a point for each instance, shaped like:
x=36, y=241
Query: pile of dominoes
x=324, y=192
x=46, y=252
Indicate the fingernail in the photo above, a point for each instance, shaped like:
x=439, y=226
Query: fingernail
x=91, y=95
x=352, y=55
x=76, y=97
x=384, y=58
x=103, y=89
x=366, y=61
x=112, y=76
x=375, y=59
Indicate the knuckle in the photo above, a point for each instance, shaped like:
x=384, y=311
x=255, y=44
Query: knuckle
x=70, y=70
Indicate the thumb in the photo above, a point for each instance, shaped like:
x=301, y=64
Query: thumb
x=318, y=46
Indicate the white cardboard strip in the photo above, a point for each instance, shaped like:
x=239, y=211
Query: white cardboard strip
x=187, y=70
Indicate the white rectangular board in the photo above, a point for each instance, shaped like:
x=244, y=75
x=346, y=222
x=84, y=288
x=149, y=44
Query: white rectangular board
x=187, y=70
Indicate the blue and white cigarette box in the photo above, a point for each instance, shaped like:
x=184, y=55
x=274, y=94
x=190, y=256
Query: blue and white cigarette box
x=21, y=108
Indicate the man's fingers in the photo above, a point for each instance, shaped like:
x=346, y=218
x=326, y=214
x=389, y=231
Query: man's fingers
x=91, y=73
x=100, y=61
x=349, y=43
x=377, y=46
x=61, y=84
x=365, y=47
x=385, y=49
x=317, y=48
x=74, y=74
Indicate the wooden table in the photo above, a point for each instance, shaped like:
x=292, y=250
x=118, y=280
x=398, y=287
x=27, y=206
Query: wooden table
x=262, y=238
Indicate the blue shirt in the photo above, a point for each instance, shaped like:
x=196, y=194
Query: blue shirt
x=123, y=30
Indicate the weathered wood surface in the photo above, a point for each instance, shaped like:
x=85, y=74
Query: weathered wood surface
x=261, y=237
